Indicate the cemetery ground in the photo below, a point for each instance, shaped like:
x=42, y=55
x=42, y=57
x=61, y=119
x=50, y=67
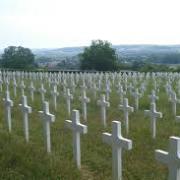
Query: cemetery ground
x=21, y=160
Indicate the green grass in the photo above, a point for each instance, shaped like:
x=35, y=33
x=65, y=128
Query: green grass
x=19, y=160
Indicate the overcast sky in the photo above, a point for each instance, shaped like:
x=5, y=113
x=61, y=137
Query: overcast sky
x=63, y=23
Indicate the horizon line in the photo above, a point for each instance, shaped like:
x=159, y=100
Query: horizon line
x=143, y=44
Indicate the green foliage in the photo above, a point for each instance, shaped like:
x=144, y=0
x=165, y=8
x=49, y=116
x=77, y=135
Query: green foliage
x=144, y=66
x=17, y=58
x=99, y=56
x=155, y=68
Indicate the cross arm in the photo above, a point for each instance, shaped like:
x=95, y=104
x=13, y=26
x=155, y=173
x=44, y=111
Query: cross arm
x=88, y=100
x=51, y=117
x=107, y=104
x=121, y=106
x=98, y=102
x=158, y=114
x=146, y=112
x=8, y=102
x=107, y=138
x=125, y=143
x=161, y=156
x=82, y=128
x=131, y=109
x=28, y=109
x=178, y=118
x=178, y=101
x=68, y=124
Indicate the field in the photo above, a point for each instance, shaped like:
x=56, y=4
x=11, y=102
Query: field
x=21, y=160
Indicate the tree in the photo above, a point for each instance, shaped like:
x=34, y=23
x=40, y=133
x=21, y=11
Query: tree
x=17, y=57
x=99, y=56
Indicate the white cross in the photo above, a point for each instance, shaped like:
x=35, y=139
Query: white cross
x=7, y=83
x=153, y=115
x=171, y=158
x=121, y=93
x=15, y=87
x=47, y=119
x=143, y=88
x=55, y=94
x=69, y=97
x=103, y=103
x=174, y=100
x=94, y=89
x=32, y=89
x=108, y=90
x=22, y=86
x=136, y=96
x=130, y=88
x=77, y=128
x=126, y=108
x=8, y=103
x=153, y=96
x=118, y=143
x=25, y=110
x=83, y=86
x=84, y=100
x=42, y=90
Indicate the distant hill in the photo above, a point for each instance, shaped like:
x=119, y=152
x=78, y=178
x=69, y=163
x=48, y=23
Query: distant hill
x=128, y=53
x=59, y=52
x=138, y=52
x=125, y=51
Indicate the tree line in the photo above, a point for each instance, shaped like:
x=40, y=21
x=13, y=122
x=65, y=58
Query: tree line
x=99, y=56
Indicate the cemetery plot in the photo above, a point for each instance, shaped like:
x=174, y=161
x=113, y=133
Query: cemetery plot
x=42, y=136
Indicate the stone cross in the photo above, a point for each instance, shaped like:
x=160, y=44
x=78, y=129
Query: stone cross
x=77, y=128
x=69, y=97
x=174, y=100
x=171, y=158
x=153, y=115
x=47, y=119
x=108, y=90
x=7, y=84
x=118, y=143
x=15, y=87
x=121, y=93
x=84, y=100
x=103, y=104
x=143, y=87
x=83, y=86
x=32, y=89
x=126, y=108
x=55, y=93
x=22, y=87
x=94, y=89
x=42, y=91
x=130, y=88
x=25, y=110
x=153, y=96
x=136, y=96
x=8, y=103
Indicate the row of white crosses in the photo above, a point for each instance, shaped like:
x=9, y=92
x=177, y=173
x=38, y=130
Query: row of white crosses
x=47, y=118
x=170, y=158
x=116, y=140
